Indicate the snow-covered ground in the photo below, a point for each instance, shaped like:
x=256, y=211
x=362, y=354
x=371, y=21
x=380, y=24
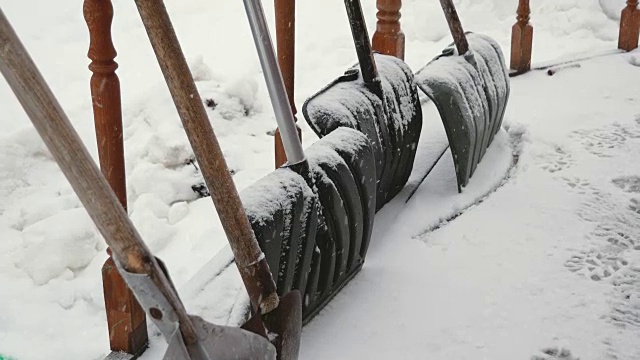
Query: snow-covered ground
x=547, y=261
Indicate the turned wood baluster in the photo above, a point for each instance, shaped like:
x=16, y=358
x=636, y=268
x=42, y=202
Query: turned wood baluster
x=125, y=318
x=285, y=11
x=522, y=39
x=629, y=26
x=389, y=38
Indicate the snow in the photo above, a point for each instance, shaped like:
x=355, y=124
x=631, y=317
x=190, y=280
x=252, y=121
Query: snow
x=393, y=125
x=273, y=193
x=546, y=261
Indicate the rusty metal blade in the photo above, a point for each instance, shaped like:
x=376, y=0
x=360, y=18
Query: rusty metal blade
x=281, y=326
x=286, y=322
x=219, y=343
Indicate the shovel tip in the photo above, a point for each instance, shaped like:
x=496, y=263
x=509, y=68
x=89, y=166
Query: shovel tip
x=269, y=303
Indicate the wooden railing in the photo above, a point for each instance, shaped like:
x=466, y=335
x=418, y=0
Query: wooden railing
x=389, y=38
x=285, y=11
x=522, y=39
x=126, y=319
x=522, y=34
x=629, y=26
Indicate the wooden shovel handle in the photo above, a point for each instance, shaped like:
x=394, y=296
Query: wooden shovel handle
x=455, y=26
x=249, y=258
x=83, y=174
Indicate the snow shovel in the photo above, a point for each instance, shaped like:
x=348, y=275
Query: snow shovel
x=276, y=318
x=469, y=85
x=275, y=83
x=381, y=100
x=280, y=102
x=344, y=185
x=189, y=337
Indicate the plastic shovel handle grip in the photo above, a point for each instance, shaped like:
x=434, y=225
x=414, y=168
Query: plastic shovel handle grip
x=275, y=84
x=81, y=171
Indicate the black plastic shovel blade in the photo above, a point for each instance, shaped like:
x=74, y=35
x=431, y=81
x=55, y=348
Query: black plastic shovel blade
x=344, y=175
x=286, y=323
x=394, y=131
x=471, y=93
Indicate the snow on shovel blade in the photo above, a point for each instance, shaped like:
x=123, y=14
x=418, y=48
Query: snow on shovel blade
x=471, y=93
x=394, y=131
x=343, y=169
x=495, y=76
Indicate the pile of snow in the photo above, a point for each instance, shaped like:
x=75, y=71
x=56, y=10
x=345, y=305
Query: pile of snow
x=612, y=8
x=546, y=267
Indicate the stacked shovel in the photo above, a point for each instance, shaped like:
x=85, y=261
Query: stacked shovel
x=468, y=83
x=380, y=99
x=340, y=171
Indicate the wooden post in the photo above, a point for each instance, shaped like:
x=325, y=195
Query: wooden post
x=629, y=26
x=522, y=39
x=125, y=318
x=285, y=11
x=389, y=38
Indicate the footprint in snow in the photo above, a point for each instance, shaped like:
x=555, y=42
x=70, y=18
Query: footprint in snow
x=556, y=160
x=602, y=142
x=619, y=234
x=581, y=186
x=555, y=353
x=616, y=230
x=626, y=303
x=624, y=299
x=630, y=184
x=595, y=265
x=634, y=205
x=616, y=223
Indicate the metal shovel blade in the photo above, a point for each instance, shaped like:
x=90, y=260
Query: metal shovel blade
x=284, y=325
x=220, y=343
x=286, y=322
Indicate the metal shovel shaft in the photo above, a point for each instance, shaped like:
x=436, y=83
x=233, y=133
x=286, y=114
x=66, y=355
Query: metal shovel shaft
x=455, y=26
x=249, y=258
x=74, y=160
x=275, y=84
